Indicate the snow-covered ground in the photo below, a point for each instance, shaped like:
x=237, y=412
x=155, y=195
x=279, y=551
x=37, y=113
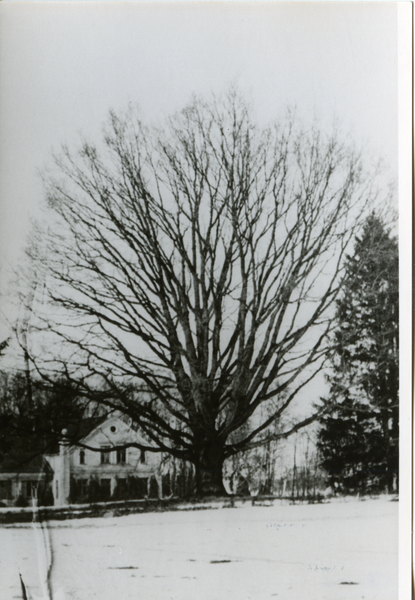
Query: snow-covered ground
x=337, y=551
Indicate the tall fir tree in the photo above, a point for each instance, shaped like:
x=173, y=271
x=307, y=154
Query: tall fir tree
x=359, y=437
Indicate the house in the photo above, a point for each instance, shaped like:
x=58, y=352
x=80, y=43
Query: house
x=20, y=483
x=90, y=470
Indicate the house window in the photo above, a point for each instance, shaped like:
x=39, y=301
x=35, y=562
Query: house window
x=5, y=490
x=106, y=488
x=121, y=456
x=57, y=489
x=142, y=456
x=82, y=457
x=31, y=489
x=83, y=487
x=105, y=455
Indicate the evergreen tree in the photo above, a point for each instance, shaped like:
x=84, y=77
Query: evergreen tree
x=351, y=445
x=359, y=437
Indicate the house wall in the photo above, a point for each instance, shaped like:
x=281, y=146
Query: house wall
x=105, y=468
x=21, y=485
x=81, y=465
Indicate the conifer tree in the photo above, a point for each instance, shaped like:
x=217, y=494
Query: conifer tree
x=359, y=437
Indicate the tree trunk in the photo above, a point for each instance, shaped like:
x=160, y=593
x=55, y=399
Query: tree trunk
x=209, y=463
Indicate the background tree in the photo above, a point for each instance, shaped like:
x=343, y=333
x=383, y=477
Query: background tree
x=32, y=427
x=359, y=439
x=253, y=470
x=3, y=346
x=199, y=262
x=350, y=443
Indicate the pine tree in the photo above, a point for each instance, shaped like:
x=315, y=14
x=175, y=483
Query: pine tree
x=359, y=437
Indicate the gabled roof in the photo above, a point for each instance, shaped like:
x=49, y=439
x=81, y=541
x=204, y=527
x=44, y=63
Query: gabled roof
x=114, y=426
x=79, y=432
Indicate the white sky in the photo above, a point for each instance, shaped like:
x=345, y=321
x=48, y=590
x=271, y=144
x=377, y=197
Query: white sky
x=64, y=65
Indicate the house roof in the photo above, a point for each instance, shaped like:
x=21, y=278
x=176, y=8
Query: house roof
x=80, y=431
x=106, y=424
x=36, y=465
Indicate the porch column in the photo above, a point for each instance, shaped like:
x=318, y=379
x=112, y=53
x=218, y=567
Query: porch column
x=64, y=475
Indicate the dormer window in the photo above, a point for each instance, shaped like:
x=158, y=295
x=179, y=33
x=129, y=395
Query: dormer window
x=82, y=457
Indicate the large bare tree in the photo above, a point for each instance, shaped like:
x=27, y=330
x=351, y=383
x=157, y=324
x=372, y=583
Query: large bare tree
x=191, y=272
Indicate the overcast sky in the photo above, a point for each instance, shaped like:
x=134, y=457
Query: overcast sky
x=63, y=66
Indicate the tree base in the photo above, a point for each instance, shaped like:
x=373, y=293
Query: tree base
x=209, y=483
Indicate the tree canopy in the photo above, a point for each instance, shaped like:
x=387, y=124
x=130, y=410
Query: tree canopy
x=191, y=271
x=31, y=427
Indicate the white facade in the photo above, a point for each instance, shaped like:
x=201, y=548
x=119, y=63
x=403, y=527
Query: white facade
x=98, y=458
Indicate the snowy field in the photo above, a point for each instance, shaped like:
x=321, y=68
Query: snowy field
x=343, y=550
